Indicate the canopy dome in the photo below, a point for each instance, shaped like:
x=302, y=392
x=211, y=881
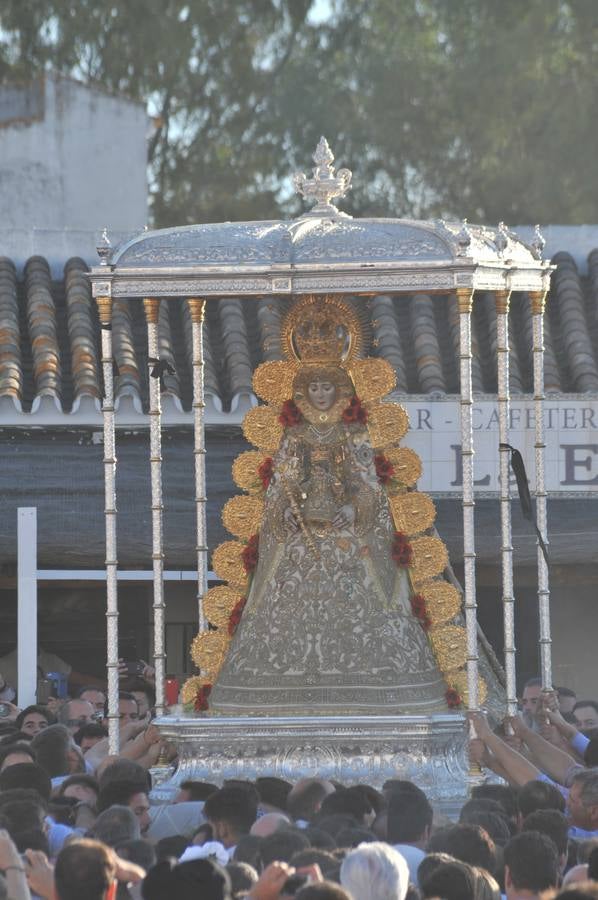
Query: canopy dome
x=323, y=251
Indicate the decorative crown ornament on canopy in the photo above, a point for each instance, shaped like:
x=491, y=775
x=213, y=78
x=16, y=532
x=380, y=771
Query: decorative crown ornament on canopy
x=324, y=186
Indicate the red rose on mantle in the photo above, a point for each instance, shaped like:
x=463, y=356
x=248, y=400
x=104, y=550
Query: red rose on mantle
x=201, y=698
x=250, y=554
x=355, y=413
x=235, y=616
x=402, y=551
x=453, y=698
x=420, y=611
x=265, y=470
x=384, y=468
x=290, y=414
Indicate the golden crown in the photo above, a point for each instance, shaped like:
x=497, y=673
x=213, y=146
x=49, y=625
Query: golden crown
x=321, y=330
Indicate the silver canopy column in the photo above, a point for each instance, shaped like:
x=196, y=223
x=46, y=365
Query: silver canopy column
x=197, y=309
x=105, y=314
x=538, y=300
x=465, y=304
x=502, y=300
x=152, y=313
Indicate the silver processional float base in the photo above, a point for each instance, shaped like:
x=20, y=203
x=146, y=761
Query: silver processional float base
x=428, y=750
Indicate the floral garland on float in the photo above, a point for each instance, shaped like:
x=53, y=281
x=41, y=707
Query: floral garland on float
x=435, y=602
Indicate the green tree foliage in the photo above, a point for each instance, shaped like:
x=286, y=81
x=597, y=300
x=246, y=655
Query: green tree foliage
x=441, y=107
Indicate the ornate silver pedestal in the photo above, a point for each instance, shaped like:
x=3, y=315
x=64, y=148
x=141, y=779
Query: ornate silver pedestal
x=428, y=750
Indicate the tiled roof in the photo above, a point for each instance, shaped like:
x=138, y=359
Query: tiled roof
x=50, y=339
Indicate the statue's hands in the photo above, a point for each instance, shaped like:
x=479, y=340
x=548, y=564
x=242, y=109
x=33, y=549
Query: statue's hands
x=344, y=517
x=289, y=519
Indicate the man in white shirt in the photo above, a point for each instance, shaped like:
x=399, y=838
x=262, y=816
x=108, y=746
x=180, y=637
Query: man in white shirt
x=409, y=824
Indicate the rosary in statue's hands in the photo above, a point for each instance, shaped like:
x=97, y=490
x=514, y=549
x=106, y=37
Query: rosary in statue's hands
x=344, y=517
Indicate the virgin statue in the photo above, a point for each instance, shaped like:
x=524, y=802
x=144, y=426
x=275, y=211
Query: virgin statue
x=336, y=601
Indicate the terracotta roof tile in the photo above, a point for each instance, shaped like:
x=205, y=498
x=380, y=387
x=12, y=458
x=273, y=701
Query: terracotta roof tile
x=11, y=372
x=50, y=340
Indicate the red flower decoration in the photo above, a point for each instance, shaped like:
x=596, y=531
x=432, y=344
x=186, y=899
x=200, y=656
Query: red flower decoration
x=201, y=698
x=250, y=554
x=355, y=413
x=402, y=551
x=235, y=616
x=290, y=414
x=453, y=698
x=265, y=470
x=384, y=468
x=420, y=611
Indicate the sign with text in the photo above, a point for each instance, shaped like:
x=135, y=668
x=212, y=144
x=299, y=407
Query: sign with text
x=571, y=438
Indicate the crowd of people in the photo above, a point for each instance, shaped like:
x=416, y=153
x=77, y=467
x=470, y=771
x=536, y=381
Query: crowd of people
x=77, y=823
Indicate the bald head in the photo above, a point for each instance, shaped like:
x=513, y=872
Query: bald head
x=268, y=824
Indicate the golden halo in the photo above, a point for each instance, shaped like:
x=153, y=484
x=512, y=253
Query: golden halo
x=412, y=512
x=219, y=603
x=373, y=378
x=245, y=469
x=449, y=644
x=262, y=428
x=322, y=310
x=228, y=564
x=407, y=465
x=191, y=687
x=208, y=650
x=458, y=681
x=387, y=424
x=242, y=515
x=430, y=557
x=443, y=600
x=273, y=381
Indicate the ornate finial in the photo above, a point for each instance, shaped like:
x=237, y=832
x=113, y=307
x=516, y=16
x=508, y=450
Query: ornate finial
x=464, y=239
x=538, y=243
x=501, y=238
x=104, y=248
x=325, y=185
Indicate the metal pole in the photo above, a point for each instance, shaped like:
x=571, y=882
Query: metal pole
x=152, y=312
x=105, y=313
x=538, y=300
x=465, y=304
x=27, y=605
x=197, y=310
x=502, y=299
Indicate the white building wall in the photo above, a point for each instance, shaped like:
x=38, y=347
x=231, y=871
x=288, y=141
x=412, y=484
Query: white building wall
x=73, y=160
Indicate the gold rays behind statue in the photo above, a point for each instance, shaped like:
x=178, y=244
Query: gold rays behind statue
x=322, y=333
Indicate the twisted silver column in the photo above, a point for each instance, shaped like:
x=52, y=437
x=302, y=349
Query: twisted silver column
x=465, y=303
x=152, y=312
x=502, y=299
x=537, y=300
x=197, y=312
x=105, y=313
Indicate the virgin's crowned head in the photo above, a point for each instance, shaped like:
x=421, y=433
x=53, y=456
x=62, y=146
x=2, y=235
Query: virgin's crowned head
x=322, y=392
